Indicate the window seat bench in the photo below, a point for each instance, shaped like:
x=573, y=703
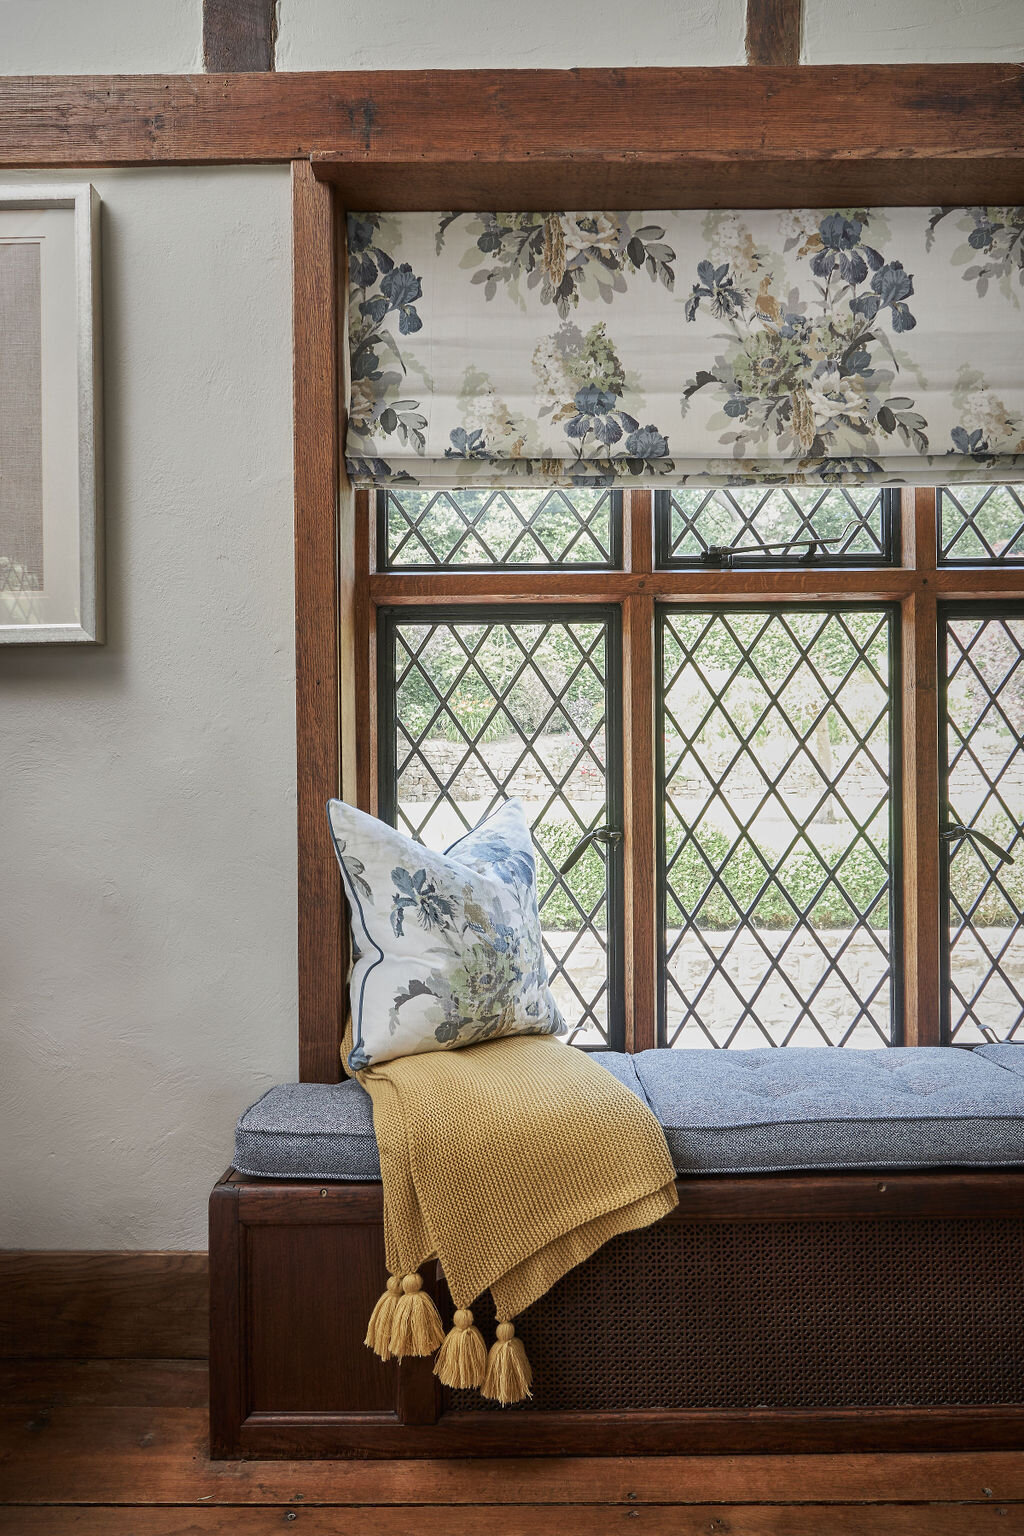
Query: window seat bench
x=842, y=1273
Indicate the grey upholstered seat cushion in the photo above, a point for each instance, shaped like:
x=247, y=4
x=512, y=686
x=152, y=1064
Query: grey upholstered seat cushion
x=309, y=1131
x=723, y=1112
x=325, y=1130
x=775, y=1110
x=1010, y=1056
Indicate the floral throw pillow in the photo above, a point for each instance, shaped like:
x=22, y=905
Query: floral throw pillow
x=448, y=947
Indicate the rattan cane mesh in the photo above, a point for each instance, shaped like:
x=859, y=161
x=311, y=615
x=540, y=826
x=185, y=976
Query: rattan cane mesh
x=790, y=1314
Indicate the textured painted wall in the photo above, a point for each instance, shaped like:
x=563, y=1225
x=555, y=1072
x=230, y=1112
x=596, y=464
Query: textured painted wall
x=531, y=34
x=147, y=919
x=919, y=32
x=100, y=37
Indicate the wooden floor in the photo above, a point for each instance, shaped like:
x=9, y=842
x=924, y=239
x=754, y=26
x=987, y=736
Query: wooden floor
x=118, y=1448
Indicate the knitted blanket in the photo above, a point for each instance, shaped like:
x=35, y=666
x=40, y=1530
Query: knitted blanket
x=510, y=1162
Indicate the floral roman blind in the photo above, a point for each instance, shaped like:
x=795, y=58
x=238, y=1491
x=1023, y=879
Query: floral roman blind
x=881, y=345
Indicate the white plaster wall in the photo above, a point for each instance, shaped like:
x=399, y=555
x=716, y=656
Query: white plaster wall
x=914, y=32
x=147, y=787
x=100, y=37
x=507, y=34
x=147, y=893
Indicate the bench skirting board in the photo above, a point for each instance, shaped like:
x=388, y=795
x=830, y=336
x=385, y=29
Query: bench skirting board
x=771, y=1313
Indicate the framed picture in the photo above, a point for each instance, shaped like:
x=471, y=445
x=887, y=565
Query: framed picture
x=51, y=547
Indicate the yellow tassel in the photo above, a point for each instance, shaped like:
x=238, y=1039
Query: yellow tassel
x=416, y=1326
x=378, y=1330
x=508, y=1375
x=463, y=1356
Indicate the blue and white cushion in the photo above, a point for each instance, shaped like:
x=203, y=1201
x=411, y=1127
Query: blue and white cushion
x=448, y=945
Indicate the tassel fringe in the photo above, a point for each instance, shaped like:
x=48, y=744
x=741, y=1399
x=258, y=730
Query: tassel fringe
x=462, y=1360
x=405, y=1321
x=378, y=1331
x=508, y=1375
x=416, y=1326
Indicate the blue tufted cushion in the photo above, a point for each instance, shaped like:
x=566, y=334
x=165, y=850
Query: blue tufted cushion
x=325, y=1130
x=723, y=1112
x=773, y=1110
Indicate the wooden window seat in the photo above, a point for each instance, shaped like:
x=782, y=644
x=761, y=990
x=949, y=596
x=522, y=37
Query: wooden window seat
x=843, y=1310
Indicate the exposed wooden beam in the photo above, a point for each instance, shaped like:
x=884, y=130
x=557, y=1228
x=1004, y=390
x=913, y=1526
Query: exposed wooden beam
x=474, y=138
x=773, y=31
x=239, y=35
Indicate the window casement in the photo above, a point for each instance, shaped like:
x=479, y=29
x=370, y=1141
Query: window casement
x=744, y=723
x=981, y=757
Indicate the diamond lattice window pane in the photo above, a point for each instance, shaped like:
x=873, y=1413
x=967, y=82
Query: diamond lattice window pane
x=477, y=708
x=984, y=741
x=776, y=865
x=485, y=529
x=858, y=524
x=980, y=523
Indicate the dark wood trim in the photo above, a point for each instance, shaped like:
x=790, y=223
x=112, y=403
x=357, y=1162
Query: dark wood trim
x=364, y=653
x=661, y=1433
x=549, y=138
x=640, y=881
x=921, y=930
x=103, y=1305
x=228, y=1364
x=699, y=586
x=239, y=35
x=322, y=924
x=773, y=31
x=948, y=1193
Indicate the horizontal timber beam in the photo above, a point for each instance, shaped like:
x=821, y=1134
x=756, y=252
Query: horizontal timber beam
x=450, y=138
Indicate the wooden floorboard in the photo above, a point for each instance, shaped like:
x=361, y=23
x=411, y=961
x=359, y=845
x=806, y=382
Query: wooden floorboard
x=529, y=1520
x=104, y=1383
x=142, y=1455
x=119, y=1448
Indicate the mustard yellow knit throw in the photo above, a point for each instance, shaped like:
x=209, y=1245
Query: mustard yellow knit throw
x=510, y=1162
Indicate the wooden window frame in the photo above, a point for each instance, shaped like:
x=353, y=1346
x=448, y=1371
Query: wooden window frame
x=338, y=593
x=736, y=137
x=945, y=134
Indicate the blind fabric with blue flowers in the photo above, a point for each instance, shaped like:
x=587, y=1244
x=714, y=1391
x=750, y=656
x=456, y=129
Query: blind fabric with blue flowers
x=879, y=345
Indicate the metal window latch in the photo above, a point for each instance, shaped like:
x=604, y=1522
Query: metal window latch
x=950, y=834
x=724, y=554
x=606, y=835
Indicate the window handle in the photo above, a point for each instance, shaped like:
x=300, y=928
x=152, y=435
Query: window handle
x=949, y=834
x=606, y=835
x=724, y=554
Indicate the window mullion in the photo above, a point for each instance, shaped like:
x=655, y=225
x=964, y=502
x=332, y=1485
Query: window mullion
x=921, y=896
x=639, y=784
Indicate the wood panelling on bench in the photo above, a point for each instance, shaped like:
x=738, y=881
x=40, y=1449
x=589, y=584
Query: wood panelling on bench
x=295, y=1269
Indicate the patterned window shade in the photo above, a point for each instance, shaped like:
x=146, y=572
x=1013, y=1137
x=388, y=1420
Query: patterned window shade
x=881, y=346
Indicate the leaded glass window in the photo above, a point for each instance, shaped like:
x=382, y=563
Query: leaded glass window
x=487, y=529
x=776, y=525
x=495, y=702
x=777, y=784
x=983, y=743
x=979, y=524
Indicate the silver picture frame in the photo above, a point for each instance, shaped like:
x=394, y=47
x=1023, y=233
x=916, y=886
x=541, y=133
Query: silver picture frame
x=69, y=517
